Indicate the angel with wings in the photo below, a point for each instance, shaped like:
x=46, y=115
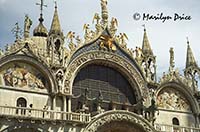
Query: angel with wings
x=86, y=28
x=88, y=33
x=97, y=25
x=113, y=26
x=123, y=37
x=114, y=23
x=97, y=18
x=70, y=36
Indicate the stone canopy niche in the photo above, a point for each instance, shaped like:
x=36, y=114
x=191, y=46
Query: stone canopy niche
x=120, y=126
x=22, y=75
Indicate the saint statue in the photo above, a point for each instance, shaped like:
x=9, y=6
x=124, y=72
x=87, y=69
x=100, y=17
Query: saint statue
x=27, y=26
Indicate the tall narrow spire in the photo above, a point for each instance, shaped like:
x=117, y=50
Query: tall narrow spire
x=40, y=30
x=146, y=48
x=148, y=61
x=55, y=25
x=190, y=60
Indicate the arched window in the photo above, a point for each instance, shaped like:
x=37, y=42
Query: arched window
x=21, y=102
x=99, y=85
x=57, y=45
x=175, y=122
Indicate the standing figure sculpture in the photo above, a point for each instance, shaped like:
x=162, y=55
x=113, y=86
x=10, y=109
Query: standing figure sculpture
x=123, y=38
x=71, y=36
x=113, y=26
x=97, y=25
x=89, y=34
x=104, y=11
x=59, y=78
x=27, y=26
x=97, y=18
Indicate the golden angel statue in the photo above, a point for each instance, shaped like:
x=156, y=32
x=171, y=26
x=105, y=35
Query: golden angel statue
x=97, y=18
x=78, y=40
x=70, y=36
x=123, y=38
x=88, y=33
x=114, y=23
x=113, y=26
x=98, y=26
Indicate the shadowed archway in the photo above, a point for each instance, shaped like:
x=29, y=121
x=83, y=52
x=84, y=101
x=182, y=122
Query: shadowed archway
x=119, y=121
x=106, y=81
x=117, y=126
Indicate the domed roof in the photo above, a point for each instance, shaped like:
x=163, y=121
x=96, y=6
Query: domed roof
x=40, y=30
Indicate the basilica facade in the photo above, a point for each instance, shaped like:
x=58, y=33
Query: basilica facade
x=96, y=84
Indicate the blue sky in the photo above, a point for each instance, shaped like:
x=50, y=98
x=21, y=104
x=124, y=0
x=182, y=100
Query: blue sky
x=75, y=13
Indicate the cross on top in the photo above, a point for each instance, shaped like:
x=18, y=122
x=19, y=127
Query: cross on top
x=41, y=4
x=187, y=40
x=144, y=27
x=55, y=3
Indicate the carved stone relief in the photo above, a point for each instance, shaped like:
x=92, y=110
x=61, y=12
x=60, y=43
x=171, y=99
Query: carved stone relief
x=119, y=116
x=22, y=75
x=172, y=100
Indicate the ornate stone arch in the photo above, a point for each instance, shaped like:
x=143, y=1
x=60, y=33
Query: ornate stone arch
x=36, y=64
x=23, y=127
x=115, y=61
x=119, y=116
x=185, y=92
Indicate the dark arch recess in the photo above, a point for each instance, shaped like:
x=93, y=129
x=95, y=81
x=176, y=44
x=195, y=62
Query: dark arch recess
x=35, y=63
x=120, y=126
x=100, y=78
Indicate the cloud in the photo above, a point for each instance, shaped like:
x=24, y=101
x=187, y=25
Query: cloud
x=73, y=14
x=2, y=1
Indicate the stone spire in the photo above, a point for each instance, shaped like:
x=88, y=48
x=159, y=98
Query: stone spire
x=146, y=48
x=148, y=61
x=171, y=61
x=55, y=25
x=104, y=11
x=40, y=30
x=190, y=60
x=192, y=71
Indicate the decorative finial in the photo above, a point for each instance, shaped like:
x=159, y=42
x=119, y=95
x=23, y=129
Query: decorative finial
x=144, y=27
x=188, y=42
x=171, y=51
x=41, y=10
x=55, y=2
x=17, y=31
